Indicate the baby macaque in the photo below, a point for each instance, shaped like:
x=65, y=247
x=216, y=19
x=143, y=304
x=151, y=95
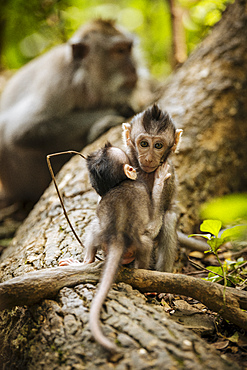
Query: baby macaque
x=123, y=226
x=150, y=139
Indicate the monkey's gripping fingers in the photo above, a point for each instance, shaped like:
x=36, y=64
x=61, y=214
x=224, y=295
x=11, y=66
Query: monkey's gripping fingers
x=69, y=262
x=126, y=133
x=162, y=173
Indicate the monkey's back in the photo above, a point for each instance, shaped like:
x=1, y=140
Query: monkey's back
x=125, y=212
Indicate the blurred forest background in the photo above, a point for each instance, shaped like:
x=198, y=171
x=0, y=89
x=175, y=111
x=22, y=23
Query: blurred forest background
x=168, y=29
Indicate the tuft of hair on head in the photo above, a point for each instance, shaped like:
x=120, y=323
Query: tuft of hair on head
x=101, y=26
x=153, y=115
x=105, y=26
x=105, y=23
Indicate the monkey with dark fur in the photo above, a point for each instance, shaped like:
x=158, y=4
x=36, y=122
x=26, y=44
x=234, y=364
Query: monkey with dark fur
x=124, y=226
x=150, y=139
x=55, y=102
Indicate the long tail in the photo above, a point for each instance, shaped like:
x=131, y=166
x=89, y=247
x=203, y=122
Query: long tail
x=112, y=263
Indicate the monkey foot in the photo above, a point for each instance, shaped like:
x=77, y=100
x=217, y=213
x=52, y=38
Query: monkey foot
x=88, y=260
x=69, y=262
x=129, y=256
x=126, y=261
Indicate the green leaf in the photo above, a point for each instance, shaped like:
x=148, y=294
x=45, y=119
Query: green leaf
x=206, y=236
x=234, y=338
x=240, y=260
x=211, y=226
x=213, y=278
x=216, y=269
x=215, y=243
x=234, y=232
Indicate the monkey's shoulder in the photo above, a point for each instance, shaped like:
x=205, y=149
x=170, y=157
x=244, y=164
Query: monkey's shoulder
x=125, y=192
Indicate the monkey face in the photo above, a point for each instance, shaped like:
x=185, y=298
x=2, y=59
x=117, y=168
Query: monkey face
x=152, y=150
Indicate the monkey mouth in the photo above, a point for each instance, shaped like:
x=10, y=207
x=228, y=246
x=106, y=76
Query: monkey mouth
x=148, y=169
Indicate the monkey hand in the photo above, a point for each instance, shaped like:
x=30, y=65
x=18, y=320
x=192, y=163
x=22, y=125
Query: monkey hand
x=162, y=174
x=69, y=262
x=126, y=134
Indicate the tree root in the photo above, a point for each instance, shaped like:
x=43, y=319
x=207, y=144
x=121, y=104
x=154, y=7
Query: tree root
x=35, y=286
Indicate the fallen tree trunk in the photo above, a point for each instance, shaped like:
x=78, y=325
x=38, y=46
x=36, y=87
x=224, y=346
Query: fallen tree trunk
x=207, y=98
x=35, y=286
x=55, y=335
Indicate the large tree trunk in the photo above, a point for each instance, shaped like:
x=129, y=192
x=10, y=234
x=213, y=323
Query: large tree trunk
x=208, y=99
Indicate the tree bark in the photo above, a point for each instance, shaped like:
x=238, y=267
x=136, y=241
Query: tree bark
x=179, y=49
x=46, y=283
x=207, y=98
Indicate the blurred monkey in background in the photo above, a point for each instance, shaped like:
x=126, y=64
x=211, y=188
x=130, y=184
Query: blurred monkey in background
x=57, y=101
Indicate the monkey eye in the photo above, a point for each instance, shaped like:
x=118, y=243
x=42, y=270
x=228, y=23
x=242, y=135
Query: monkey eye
x=158, y=146
x=144, y=144
x=121, y=49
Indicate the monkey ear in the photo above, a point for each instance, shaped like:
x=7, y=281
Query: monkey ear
x=178, y=136
x=79, y=50
x=126, y=133
x=130, y=172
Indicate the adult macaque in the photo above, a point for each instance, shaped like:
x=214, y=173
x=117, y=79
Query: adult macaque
x=150, y=138
x=56, y=101
x=123, y=225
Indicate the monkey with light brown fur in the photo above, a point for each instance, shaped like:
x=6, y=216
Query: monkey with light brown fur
x=150, y=139
x=123, y=224
x=56, y=102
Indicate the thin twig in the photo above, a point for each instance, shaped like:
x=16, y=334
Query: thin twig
x=58, y=192
x=207, y=270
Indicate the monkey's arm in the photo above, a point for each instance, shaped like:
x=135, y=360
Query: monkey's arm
x=162, y=174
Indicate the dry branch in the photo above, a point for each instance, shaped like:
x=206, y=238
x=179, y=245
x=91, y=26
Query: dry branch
x=33, y=287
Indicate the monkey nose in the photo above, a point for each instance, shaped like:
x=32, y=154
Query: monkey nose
x=131, y=82
x=148, y=160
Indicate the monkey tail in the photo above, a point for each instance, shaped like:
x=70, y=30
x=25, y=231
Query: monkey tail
x=112, y=263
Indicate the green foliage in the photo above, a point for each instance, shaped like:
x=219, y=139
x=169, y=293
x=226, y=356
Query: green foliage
x=29, y=28
x=199, y=17
x=235, y=271
x=230, y=208
x=215, y=239
x=213, y=227
x=32, y=27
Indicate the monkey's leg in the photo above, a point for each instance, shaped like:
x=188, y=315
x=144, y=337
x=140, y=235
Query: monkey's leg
x=90, y=254
x=167, y=243
x=143, y=253
x=92, y=241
